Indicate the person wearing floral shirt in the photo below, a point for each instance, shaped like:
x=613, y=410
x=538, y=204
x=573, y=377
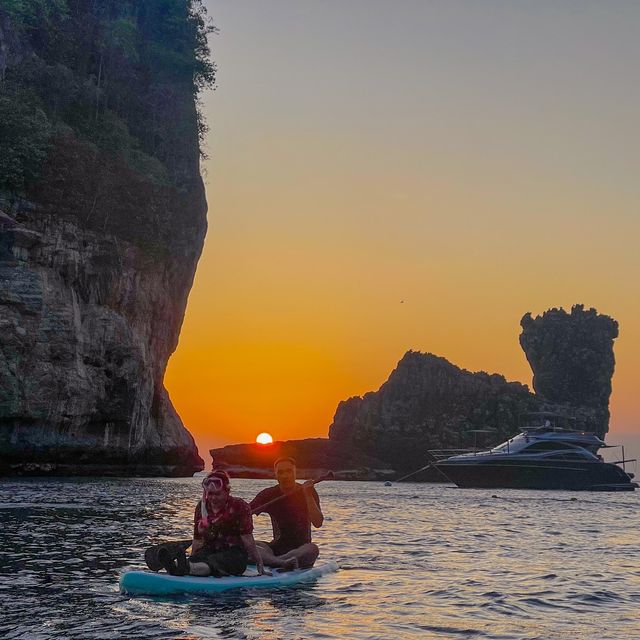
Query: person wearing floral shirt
x=222, y=534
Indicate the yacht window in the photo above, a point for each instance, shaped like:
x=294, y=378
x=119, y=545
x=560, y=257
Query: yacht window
x=547, y=445
x=567, y=456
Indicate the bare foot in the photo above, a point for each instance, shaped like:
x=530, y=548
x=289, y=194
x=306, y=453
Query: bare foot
x=290, y=565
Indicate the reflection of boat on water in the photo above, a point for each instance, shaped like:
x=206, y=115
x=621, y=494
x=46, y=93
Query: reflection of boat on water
x=541, y=457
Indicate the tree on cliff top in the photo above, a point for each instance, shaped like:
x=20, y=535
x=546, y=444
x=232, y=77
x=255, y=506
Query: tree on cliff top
x=115, y=71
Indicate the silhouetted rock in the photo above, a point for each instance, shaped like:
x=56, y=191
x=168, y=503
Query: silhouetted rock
x=313, y=457
x=429, y=403
x=571, y=355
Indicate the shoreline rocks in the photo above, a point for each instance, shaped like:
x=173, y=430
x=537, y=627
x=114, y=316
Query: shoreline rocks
x=314, y=457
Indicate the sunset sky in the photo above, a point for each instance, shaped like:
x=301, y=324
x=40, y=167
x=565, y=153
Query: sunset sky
x=476, y=160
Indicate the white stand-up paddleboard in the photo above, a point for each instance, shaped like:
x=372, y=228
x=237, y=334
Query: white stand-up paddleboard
x=149, y=583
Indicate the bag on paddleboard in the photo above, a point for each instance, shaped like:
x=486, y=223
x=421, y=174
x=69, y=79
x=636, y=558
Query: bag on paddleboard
x=174, y=549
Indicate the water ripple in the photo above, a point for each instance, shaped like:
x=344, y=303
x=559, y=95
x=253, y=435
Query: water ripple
x=418, y=561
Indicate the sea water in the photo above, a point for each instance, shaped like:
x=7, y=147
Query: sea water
x=417, y=561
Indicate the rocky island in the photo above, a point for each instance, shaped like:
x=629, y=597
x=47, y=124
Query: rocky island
x=429, y=403
x=102, y=222
x=314, y=457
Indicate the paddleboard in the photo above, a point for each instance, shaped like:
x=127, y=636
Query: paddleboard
x=150, y=583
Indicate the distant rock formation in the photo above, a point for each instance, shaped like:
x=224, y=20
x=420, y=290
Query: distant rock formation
x=313, y=456
x=429, y=403
x=571, y=355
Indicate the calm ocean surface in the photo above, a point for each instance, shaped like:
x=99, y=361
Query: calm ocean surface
x=418, y=561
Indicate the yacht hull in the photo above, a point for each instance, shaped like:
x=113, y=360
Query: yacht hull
x=537, y=474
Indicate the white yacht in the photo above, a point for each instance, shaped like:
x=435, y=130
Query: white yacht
x=541, y=457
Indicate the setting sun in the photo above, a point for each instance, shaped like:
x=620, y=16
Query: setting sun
x=264, y=438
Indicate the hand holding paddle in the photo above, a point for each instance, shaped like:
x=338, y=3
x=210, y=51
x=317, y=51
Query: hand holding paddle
x=309, y=483
x=304, y=487
x=327, y=476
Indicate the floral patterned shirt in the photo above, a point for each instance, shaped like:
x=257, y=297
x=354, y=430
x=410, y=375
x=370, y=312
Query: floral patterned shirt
x=225, y=527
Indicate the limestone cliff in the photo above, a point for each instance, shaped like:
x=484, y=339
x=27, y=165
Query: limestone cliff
x=102, y=224
x=571, y=355
x=429, y=403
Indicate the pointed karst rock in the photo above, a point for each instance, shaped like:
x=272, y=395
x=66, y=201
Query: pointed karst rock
x=571, y=355
x=103, y=222
x=429, y=403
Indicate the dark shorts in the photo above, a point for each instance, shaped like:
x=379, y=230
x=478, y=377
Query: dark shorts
x=232, y=562
x=280, y=547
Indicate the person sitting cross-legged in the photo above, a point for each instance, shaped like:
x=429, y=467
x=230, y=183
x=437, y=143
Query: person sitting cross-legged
x=222, y=535
x=293, y=508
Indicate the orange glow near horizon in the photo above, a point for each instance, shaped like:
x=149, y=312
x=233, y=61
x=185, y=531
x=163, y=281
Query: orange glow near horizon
x=477, y=184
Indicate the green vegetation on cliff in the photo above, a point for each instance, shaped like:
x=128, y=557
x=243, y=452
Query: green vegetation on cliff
x=120, y=76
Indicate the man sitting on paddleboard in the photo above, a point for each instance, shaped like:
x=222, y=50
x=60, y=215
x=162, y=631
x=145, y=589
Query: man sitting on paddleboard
x=222, y=536
x=293, y=509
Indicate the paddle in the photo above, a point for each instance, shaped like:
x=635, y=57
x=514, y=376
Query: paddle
x=327, y=476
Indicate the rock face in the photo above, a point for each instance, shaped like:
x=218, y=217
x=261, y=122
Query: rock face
x=97, y=258
x=429, y=403
x=571, y=355
x=313, y=457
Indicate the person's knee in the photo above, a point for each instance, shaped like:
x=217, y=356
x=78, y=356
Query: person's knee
x=308, y=554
